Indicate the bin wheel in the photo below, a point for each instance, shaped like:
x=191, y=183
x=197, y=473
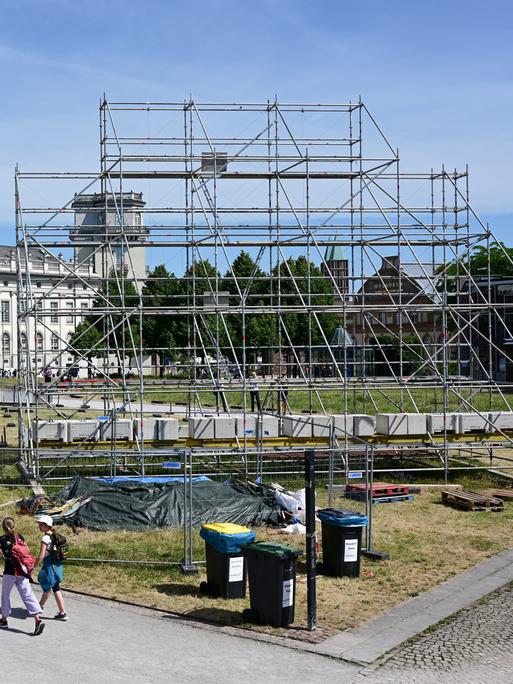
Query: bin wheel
x=249, y=615
x=204, y=587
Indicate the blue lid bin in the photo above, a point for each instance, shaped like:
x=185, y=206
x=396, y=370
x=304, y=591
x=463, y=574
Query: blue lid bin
x=341, y=542
x=226, y=564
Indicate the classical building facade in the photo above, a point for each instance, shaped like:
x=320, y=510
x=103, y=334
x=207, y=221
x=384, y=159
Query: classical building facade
x=62, y=302
x=58, y=292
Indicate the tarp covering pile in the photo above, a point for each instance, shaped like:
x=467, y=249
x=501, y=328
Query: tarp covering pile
x=129, y=505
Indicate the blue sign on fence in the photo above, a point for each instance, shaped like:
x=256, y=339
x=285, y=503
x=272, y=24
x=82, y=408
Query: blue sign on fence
x=102, y=418
x=175, y=465
x=354, y=476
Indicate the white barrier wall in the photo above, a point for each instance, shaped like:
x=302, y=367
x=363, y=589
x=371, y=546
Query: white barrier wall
x=224, y=427
x=500, y=420
x=120, y=429
x=437, y=422
x=363, y=426
x=344, y=424
x=321, y=425
x=83, y=429
x=296, y=426
x=401, y=423
x=149, y=428
x=472, y=422
x=55, y=430
x=201, y=427
x=167, y=429
x=257, y=426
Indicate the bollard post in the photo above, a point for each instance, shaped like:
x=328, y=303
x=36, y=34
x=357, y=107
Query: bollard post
x=311, y=556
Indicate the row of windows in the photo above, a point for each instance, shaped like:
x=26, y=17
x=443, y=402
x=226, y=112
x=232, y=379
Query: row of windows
x=54, y=309
x=54, y=342
x=394, y=318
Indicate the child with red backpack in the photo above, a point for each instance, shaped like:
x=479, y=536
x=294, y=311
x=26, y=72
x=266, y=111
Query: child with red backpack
x=19, y=563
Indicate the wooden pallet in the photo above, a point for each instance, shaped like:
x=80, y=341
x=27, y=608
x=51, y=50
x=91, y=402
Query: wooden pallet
x=379, y=489
x=360, y=496
x=504, y=494
x=471, y=501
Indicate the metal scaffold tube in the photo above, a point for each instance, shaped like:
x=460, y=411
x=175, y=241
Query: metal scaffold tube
x=221, y=248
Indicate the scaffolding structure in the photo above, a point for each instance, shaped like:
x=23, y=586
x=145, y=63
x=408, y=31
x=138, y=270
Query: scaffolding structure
x=299, y=251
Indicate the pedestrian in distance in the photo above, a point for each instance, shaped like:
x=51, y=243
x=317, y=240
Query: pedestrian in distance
x=220, y=397
x=51, y=574
x=254, y=392
x=283, y=396
x=17, y=573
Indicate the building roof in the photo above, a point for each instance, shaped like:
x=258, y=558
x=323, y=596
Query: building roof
x=334, y=253
x=423, y=276
x=341, y=338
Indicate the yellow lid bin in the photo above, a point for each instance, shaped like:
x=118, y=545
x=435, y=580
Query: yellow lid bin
x=226, y=528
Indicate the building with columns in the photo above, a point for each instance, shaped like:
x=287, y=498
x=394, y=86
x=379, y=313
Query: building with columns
x=58, y=292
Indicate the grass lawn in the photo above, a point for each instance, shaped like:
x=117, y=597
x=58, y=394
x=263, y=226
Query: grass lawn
x=428, y=543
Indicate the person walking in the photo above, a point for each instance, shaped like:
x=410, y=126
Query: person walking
x=51, y=574
x=220, y=397
x=283, y=396
x=254, y=392
x=16, y=575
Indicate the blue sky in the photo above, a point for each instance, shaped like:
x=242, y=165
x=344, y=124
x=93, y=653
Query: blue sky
x=437, y=75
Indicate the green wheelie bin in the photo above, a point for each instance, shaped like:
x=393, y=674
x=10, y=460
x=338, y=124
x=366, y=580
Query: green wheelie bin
x=272, y=583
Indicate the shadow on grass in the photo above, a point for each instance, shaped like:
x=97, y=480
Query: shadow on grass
x=178, y=589
x=219, y=616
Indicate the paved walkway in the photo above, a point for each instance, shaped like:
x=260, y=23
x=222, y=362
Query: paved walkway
x=369, y=642
x=107, y=642
x=476, y=645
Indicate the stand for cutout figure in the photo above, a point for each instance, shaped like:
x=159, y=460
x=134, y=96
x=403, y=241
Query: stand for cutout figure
x=369, y=552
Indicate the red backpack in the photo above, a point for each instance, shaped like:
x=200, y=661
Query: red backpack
x=23, y=559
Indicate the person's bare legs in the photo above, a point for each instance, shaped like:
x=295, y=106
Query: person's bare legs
x=44, y=598
x=60, y=601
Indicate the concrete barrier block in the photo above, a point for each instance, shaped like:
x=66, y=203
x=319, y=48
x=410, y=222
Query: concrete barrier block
x=321, y=426
x=55, y=430
x=436, y=422
x=392, y=423
x=417, y=424
x=149, y=428
x=472, y=422
x=123, y=429
x=249, y=425
x=83, y=429
x=268, y=427
x=363, y=426
x=201, y=427
x=297, y=426
x=183, y=430
x=500, y=420
x=167, y=429
x=224, y=427
x=344, y=424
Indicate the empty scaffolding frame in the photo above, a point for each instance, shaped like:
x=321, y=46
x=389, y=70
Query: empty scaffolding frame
x=286, y=183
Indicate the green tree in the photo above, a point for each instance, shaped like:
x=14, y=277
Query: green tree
x=164, y=334
x=119, y=329
x=85, y=339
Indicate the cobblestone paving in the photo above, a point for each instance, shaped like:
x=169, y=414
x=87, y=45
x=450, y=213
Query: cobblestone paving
x=474, y=646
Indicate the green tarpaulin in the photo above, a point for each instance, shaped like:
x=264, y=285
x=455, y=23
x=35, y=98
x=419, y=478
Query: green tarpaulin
x=141, y=505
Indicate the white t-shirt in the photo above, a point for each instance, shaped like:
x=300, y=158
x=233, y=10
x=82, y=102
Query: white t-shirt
x=47, y=539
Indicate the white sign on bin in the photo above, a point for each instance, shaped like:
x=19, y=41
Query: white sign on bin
x=350, y=550
x=288, y=593
x=236, y=569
